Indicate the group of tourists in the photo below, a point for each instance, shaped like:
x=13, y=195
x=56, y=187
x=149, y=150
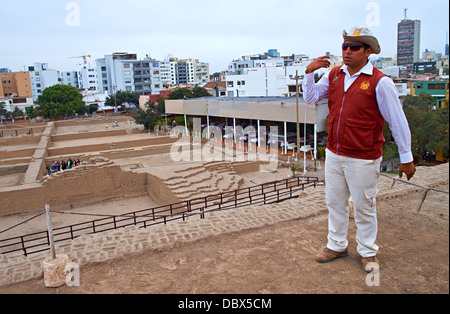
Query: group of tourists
x=57, y=166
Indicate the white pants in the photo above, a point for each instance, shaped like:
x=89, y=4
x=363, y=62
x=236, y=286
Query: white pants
x=345, y=177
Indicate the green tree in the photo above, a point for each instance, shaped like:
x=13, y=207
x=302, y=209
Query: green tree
x=152, y=114
x=2, y=109
x=17, y=113
x=181, y=93
x=61, y=100
x=93, y=108
x=32, y=112
x=429, y=127
x=121, y=98
x=196, y=92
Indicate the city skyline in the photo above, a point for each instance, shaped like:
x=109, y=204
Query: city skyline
x=52, y=31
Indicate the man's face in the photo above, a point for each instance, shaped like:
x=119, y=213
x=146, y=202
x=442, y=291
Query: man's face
x=355, y=58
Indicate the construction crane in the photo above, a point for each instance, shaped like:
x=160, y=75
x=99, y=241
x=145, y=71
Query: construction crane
x=84, y=58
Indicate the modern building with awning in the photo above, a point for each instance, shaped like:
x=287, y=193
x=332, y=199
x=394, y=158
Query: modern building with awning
x=259, y=112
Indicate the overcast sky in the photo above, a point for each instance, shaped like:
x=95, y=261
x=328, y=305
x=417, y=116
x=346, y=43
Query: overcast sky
x=51, y=31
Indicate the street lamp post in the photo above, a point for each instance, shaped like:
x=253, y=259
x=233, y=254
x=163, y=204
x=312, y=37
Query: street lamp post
x=297, y=111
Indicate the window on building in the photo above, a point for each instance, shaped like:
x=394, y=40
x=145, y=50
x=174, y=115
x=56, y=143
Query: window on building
x=436, y=86
x=230, y=84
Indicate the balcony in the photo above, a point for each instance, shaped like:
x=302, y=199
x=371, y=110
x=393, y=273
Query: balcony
x=143, y=83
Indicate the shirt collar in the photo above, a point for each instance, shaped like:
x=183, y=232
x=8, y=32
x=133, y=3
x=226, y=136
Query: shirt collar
x=367, y=69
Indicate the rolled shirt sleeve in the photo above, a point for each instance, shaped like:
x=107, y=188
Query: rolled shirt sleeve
x=312, y=92
x=392, y=111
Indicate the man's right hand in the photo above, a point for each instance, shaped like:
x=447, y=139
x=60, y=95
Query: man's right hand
x=321, y=62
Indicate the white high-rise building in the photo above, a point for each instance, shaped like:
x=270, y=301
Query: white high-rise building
x=87, y=79
x=42, y=77
x=69, y=78
x=176, y=71
x=84, y=79
x=262, y=76
x=115, y=73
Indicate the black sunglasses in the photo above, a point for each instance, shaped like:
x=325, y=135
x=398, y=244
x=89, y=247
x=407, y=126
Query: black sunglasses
x=354, y=47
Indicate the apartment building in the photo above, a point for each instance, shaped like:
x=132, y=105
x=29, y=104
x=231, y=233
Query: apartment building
x=408, y=43
x=124, y=72
x=147, y=76
x=201, y=72
x=265, y=75
x=115, y=73
x=176, y=71
x=87, y=79
x=15, y=84
x=183, y=71
x=42, y=77
x=69, y=78
x=166, y=73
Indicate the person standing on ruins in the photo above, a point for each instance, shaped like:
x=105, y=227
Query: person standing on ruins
x=360, y=99
x=69, y=163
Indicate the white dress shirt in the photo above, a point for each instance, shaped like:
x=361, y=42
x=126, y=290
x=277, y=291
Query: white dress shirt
x=388, y=104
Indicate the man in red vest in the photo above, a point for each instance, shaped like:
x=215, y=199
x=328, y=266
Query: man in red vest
x=360, y=99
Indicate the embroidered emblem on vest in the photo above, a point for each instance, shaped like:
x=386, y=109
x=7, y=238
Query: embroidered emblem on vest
x=365, y=85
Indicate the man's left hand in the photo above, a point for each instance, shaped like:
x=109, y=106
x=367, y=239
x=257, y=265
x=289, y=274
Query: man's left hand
x=408, y=169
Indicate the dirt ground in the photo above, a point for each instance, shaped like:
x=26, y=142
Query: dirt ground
x=279, y=259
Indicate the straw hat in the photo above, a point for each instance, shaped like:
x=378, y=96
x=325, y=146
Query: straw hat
x=363, y=35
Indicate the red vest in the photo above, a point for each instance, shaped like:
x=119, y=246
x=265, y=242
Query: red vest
x=355, y=124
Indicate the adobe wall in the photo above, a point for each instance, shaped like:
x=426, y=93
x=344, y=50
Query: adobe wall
x=76, y=187
x=137, y=152
x=8, y=154
x=159, y=192
x=92, y=121
x=65, y=151
x=87, y=135
x=14, y=131
x=13, y=169
x=247, y=167
x=23, y=124
x=20, y=140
